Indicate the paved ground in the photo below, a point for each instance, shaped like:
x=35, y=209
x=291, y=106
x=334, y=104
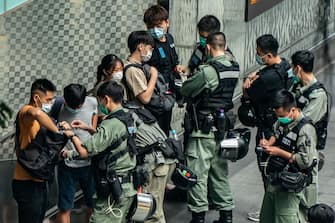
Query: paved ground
x=245, y=179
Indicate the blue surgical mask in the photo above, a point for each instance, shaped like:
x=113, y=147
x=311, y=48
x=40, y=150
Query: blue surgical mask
x=202, y=41
x=71, y=110
x=157, y=32
x=259, y=59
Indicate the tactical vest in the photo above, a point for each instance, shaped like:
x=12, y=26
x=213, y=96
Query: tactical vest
x=287, y=140
x=222, y=96
x=277, y=80
x=321, y=125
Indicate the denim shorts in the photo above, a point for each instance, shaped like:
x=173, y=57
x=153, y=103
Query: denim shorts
x=69, y=181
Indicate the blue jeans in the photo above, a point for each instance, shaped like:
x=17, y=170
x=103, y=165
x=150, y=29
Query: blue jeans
x=31, y=198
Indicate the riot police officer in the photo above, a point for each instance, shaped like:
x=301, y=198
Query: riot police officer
x=291, y=165
x=261, y=86
x=113, y=160
x=209, y=92
x=311, y=98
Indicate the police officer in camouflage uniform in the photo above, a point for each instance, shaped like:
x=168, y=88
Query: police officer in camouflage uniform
x=110, y=131
x=208, y=91
x=311, y=98
x=292, y=150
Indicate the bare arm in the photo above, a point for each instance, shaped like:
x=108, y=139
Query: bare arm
x=42, y=118
x=146, y=95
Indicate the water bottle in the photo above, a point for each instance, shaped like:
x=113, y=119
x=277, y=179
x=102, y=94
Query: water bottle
x=221, y=123
x=173, y=134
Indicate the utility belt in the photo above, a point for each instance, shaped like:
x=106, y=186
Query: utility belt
x=109, y=184
x=210, y=122
x=170, y=148
x=289, y=177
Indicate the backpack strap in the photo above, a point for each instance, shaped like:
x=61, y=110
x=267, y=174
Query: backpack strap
x=301, y=124
x=56, y=107
x=282, y=74
x=174, y=55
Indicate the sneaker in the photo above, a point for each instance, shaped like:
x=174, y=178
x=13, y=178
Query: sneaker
x=253, y=216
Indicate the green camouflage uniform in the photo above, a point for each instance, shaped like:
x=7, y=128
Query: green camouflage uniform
x=107, y=133
x=280, y=206
x=202, y=151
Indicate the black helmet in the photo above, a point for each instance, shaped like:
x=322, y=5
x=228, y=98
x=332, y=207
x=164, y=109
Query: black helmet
x=183, y=177
x=246, y=113
x=236, y=146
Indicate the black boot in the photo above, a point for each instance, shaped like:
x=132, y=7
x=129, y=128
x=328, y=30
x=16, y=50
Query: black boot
x=198, y=217
x=225, y=217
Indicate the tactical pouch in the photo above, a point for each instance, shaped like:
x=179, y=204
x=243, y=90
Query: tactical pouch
x=206, y=123
x=292, y=182
x=166, y=149
x=115, y=186
x=276, y=164
x=140, y=176
x=177, y=149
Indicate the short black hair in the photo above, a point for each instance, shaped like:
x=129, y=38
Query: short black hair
x=268, y=44
x=154, y=15
x=217, y=40
x=111, y=89
x=321, y=213
x=42, y=85
x=284, y=99
x=305, y=59
x=74, y=95
x=209, y=24
x=137, y=37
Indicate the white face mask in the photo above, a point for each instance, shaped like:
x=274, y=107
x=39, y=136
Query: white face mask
x=117, y=76
x=46, y=107
x=146, y=58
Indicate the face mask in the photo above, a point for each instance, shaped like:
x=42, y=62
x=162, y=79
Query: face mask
x=259, y=59
x=117, y=76
x=157, y=33
x=71, y=110
x=285, y=120
x=103, y=109
x=203, y=41
x=46, y=107
x=146, y=58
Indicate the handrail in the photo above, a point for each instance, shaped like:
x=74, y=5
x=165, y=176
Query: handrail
x=8, y=136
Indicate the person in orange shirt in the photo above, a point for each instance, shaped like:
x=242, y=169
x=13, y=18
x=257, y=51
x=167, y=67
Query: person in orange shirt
x=31, y=193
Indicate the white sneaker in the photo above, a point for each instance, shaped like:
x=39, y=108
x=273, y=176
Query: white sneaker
x=253, y=216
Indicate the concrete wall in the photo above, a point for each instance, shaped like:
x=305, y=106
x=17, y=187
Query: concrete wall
x=297, y=24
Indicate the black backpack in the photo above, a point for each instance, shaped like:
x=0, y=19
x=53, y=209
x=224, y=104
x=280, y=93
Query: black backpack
x=41, y=155
x=161, y=100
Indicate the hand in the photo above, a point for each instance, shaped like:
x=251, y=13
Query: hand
x=180, y=68
x=250, y=79
x=79, y=124
x=272, y=150
x=65, y=125
x=63, y=153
